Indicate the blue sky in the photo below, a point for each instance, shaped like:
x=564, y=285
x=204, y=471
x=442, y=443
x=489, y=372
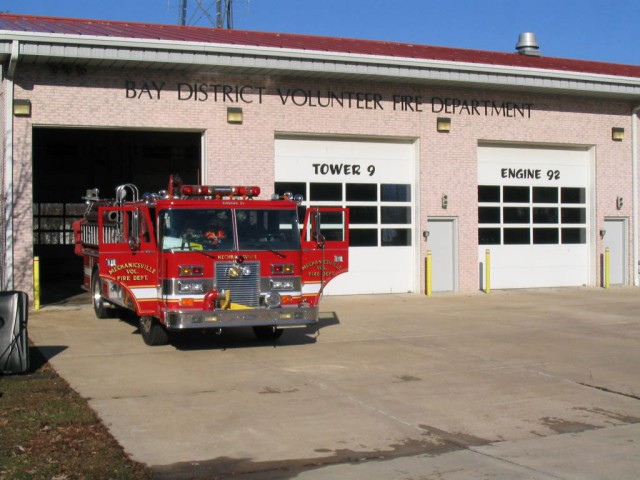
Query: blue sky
x=599, y=30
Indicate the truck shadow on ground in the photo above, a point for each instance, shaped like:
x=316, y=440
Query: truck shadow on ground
x=241, y=337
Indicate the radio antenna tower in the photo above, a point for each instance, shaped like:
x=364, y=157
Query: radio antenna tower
x=223, y=17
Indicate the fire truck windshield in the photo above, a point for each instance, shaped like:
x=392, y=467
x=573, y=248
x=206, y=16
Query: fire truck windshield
x=263, y=229
x=213, y=229
x=196, y=229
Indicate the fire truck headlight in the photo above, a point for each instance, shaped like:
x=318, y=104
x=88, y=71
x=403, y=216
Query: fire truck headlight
x=184, y=287
x=272, y=299
x=281, y=285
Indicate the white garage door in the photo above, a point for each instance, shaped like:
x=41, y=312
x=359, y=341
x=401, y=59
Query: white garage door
x=375, y=179
x=534, y=215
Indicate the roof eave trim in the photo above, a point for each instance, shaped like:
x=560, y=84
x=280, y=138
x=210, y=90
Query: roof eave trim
x=136, y=44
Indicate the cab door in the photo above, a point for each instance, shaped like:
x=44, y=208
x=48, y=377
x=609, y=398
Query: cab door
x=325, y=249
x=128, y=258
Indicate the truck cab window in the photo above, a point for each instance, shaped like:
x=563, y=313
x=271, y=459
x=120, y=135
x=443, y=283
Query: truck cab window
x=197, y=229
x=264, y=229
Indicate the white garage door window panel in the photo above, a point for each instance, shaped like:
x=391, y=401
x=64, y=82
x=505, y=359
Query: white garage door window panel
x=536, y=265
x=379, y=269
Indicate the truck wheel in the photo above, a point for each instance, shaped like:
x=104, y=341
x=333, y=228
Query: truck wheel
x=153, y=333
x=267, y=332
x=99, y=307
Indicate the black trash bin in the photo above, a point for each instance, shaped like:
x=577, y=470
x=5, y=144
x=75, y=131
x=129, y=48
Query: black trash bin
x=14, y=341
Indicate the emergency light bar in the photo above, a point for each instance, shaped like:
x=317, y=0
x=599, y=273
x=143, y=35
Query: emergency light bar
x=218, y=191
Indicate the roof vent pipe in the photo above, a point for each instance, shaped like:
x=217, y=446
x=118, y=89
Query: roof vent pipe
x=527, y=44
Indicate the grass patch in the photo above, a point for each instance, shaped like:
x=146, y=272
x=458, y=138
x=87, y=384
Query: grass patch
x=47, y=431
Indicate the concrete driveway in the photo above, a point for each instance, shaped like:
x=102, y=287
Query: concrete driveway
x=534, y=384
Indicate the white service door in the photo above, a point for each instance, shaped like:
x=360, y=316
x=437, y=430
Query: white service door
x=441, y=242
x=615, y=239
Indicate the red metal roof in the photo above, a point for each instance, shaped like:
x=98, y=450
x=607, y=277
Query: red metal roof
x=176, y=33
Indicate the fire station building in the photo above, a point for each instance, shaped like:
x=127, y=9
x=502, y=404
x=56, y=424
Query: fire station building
x=461, y=156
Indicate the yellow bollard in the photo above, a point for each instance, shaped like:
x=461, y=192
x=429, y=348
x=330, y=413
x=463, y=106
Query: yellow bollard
x=487, y=271
x=606, y=267
x=428, y=274
x=36, y=283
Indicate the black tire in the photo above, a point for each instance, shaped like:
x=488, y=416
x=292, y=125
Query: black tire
x=99, y=305
x=152, y=331
x=268, y=332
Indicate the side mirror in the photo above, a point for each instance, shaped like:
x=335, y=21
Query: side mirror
x=317, y=235
x=134, y=243
x=134, y=231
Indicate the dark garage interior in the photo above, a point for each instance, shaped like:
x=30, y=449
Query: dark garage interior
x=67, y=162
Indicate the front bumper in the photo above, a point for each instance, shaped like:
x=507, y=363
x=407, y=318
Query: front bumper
x=278, y=317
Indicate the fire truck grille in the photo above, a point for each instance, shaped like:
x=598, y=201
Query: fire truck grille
x=245, y=287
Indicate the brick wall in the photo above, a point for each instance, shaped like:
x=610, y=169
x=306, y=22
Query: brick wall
x=271, y=105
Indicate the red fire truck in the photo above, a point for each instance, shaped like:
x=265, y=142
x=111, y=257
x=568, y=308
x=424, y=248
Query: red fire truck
x=209, y=257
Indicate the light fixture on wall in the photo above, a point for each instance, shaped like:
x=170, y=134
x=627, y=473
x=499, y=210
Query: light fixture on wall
x=443, y=124
x=445, y=201
x=619, y=203
x=617, y=134
x=22, y=108
x=234, y=115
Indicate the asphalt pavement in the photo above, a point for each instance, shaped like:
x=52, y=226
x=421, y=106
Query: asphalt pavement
x=520, y=384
